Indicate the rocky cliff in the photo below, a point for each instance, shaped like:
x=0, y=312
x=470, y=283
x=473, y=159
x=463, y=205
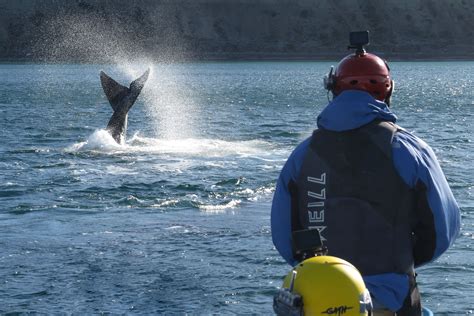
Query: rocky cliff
x=104, y=30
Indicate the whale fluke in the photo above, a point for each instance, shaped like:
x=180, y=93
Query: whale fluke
x=121, y=99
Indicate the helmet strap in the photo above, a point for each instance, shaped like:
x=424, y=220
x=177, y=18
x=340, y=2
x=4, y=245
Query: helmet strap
x=388, y=98
x=327, y=94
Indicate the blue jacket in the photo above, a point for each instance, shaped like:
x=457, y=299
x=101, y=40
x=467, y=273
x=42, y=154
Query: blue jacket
x=415, y=162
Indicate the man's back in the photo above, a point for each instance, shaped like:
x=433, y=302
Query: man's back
x=362, y=196
x=387, y=206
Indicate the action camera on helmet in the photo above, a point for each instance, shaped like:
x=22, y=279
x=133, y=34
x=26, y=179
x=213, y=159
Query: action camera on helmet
x=358, y=40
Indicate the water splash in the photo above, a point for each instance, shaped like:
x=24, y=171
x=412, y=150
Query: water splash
x=87, y=35
x=202, y=147
x=102, y=141
x=169, y=104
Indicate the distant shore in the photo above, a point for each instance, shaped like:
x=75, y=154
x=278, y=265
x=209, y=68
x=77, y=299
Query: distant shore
x=245, y=57
x=228, y=30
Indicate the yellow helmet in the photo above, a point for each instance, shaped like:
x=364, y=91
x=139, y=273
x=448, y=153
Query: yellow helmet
x=323, y=285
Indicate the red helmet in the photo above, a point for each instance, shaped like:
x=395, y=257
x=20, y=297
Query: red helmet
x=362, y=71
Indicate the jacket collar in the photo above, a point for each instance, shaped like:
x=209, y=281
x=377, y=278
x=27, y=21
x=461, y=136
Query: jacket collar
x=353, y=109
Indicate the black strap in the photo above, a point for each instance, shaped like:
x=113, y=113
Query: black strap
x=412, y=304
x=378, y=132
x=295, y=218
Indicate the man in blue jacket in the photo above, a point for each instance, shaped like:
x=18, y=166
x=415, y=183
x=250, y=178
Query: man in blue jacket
x=375, y=192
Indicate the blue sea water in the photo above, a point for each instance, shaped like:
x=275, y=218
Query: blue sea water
x=176, y=221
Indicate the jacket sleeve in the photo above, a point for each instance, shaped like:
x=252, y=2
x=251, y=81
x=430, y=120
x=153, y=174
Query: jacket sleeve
x=281, y=205
x=438, y=216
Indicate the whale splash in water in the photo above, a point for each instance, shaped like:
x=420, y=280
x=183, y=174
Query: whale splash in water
x=121, y=99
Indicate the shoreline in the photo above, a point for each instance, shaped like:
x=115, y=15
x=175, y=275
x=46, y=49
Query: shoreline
x=236, y=58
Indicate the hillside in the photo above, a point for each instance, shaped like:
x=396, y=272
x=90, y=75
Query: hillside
x=93, y=30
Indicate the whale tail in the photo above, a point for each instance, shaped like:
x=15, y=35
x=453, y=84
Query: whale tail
x=121, y=99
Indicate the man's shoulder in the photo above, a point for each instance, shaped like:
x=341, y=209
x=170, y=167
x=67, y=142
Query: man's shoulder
x=301, y=148
x=405, y=138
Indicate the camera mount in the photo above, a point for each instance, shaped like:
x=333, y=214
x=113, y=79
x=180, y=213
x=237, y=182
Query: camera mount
x=358, y=41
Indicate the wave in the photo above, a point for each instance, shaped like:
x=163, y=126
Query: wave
x=220, y=207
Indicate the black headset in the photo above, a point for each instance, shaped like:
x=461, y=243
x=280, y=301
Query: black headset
x=329, y=80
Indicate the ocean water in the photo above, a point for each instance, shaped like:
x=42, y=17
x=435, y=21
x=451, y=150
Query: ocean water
x=177, y=220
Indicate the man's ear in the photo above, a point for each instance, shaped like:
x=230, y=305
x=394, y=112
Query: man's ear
x=388, y=98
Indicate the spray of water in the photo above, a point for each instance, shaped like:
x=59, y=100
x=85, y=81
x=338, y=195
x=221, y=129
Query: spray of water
x=169, y=104
x=98, y=33
x=102, y=141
